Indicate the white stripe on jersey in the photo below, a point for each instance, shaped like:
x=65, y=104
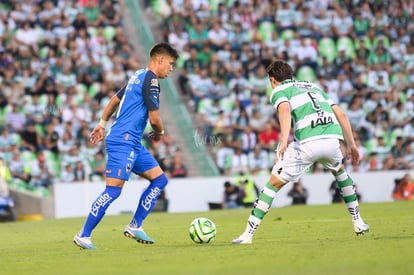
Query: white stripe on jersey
x=307, y=120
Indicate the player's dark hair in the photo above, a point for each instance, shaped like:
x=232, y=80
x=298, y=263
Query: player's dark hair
x=280, y=70
x=163, y=48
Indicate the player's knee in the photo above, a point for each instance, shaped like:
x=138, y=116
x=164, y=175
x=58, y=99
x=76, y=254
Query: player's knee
x=161, y=181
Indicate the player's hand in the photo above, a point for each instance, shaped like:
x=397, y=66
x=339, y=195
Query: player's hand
x=155, y=136
x=97, y=134
x=353, y=153
x=281, y=149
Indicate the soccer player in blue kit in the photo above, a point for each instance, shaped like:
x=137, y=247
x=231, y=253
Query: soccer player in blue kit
x=135, y=104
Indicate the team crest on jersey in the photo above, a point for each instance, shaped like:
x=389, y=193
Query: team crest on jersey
x=154, y=82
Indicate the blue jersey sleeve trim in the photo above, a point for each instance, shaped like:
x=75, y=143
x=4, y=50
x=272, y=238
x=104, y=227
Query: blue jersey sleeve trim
x=151, y=91
x=121, y=91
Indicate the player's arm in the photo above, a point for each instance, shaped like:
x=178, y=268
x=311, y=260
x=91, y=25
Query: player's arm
x=156, y=121
x=98, y=133
x=150, y=93
x=352, y=149
x=285, y=118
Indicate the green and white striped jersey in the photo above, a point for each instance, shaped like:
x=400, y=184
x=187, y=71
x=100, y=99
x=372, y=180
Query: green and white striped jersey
x=312, y=115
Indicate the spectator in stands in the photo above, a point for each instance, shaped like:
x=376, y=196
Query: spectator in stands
x=67, y=174
x=98, y=167
x=239, y=162
x=248, y=140
x=398, y=152
x=268, y=137
x=217, y=35
x=258, y=161
x=109, y=15
x=35, y=110
x=6, y=142
x=31, y=139
x=233, y=196
x=177, y=168
x=15, y=120
x=198, y=35
x=398, y=116
x=241, y=122
x=403, y=189
x=5, y=178
x=79, y=171
x=42, y=175
x=201, y=87
x=221, y=122
x=408, y=131
x=298, y=193
x=18, y=169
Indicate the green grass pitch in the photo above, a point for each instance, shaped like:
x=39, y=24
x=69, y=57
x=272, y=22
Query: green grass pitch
x=291, y=240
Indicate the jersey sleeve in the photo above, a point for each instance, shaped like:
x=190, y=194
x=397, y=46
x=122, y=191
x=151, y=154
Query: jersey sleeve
x=151, y=92
x=278, y=97
x=121, y=91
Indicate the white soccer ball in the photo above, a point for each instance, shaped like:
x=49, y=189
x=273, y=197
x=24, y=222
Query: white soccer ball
x=202, y=230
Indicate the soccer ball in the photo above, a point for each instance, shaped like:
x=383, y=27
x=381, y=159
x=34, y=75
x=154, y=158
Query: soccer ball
x=202, y=230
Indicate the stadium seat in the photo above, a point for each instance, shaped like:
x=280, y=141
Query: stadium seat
x=266, y=28
x=109, y=32
x=203, y=104
x=367, y=41
x=27, y=157
x=226, y=104
x=306, y=73
x=92, y=31
x=287, y=34
x=43, y=100
x=327, y=48
x=40, y=129
x=385, y=39
x=346, y=42
x=93, y=89
x=81, y=91
x=43, y=52
x=214, y=5
x=160, y=7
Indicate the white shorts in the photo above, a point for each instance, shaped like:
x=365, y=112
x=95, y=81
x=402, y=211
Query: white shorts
x=300, y=157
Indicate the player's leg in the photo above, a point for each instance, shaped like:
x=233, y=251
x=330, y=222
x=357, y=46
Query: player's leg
x=334, y=162
x=99, y=206
x=261, y=206
x=147, y=167
x=348, y=193
x=116, y=176
x=289, y=169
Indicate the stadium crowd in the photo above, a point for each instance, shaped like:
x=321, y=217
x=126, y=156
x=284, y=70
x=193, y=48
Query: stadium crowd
x=360, y=52
x=60, y=62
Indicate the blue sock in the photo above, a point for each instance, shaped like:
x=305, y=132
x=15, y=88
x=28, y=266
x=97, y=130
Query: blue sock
x=148, y=199
x=99, y=207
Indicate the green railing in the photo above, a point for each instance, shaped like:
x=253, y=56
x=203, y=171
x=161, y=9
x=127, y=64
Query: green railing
x=201, y=159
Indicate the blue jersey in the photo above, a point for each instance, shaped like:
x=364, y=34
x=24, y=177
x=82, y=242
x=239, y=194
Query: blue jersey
x=140, y=95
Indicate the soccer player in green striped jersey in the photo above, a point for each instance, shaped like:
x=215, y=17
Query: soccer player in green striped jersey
x=319, y=128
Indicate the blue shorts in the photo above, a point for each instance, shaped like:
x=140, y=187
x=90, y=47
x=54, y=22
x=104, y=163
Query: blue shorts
x=122, y=160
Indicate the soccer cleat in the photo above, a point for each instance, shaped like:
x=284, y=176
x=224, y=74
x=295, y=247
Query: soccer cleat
x=83, y=242
x=243, y=239
x=137, y=234
x=361, y=229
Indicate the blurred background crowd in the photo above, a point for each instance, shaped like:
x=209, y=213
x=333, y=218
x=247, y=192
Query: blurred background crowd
x=60, y=62
x=361, y=52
